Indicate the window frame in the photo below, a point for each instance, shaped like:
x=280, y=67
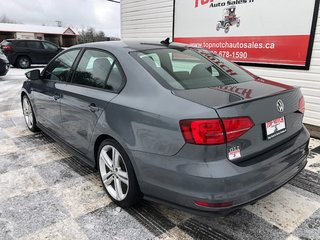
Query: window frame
x=71, y=69
x=116, y=61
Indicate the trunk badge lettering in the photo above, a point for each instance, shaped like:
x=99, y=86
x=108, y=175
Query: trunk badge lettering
x=280, y=106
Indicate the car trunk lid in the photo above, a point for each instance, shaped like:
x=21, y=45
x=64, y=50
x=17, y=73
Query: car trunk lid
x=258, y=100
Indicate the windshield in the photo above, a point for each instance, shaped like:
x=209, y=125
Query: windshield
x=190, y=68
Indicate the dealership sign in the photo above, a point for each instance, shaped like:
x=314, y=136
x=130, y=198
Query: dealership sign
x=254, y=32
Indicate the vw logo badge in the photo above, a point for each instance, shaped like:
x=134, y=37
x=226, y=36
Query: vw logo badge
x=280, y=106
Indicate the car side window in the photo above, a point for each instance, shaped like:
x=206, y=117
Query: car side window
x=34, y=45
x=95, y=67
x=61, y=66
x=50, y=47
x=20, y=44
x=114, y=81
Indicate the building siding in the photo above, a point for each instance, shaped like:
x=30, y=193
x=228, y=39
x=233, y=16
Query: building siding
x=150, y=19
x=308, y=80
x=146, y=19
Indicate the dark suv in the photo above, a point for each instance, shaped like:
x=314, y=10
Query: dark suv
x=23, y=53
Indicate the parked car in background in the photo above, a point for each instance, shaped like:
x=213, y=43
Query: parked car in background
x=23, y=53
x=170, y=123
x=4, y=64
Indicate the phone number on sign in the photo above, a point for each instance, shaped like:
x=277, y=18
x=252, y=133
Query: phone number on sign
x=231, y=54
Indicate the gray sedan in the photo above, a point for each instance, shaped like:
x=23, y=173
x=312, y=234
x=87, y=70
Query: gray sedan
x=170, y=123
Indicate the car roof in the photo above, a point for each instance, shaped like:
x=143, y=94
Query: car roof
x=132, y=45
x=14, y=40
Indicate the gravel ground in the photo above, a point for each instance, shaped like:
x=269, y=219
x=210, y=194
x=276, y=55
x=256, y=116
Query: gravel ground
x=46, y=193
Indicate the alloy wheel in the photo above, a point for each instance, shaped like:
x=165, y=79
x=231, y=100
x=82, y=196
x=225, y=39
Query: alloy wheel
x=23, y=62
x=27, y=112
x=114, y=172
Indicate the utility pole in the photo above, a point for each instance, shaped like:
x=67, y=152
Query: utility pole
x=59, y=23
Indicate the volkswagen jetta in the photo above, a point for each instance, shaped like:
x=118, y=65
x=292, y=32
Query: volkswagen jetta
x=170, y=123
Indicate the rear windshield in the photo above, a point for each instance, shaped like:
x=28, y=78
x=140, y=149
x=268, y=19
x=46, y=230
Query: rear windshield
x=190, y=68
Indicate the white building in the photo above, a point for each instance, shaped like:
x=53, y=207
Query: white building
x=154, y=20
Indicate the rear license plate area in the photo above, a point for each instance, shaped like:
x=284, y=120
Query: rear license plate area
x=275, y=127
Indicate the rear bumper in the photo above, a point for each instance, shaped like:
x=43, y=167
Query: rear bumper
x=179, y=181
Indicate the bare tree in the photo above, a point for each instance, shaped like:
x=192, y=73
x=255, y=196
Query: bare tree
x=91, y=35
x=5, y=19
x=59, y=23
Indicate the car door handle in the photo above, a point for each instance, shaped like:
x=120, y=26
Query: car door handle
x=93, y=108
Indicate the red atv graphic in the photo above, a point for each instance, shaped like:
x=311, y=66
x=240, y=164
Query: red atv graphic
x=229, y=19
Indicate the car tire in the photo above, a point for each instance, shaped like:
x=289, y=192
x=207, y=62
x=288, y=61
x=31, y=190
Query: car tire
x=28, y=114
x=117, y=174
x=23, y=62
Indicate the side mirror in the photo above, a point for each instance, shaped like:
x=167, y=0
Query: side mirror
x=33, y=74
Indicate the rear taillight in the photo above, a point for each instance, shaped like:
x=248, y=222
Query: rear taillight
x=235, y=127
x=204, y=132
x=301, y=105
x=214, y=131
x=7, y=48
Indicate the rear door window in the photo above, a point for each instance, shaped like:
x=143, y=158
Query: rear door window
x=60, y=68
x=34, y=45
x=98, y=69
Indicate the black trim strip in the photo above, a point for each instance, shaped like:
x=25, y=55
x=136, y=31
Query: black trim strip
x=173, y=18
x=91, y=163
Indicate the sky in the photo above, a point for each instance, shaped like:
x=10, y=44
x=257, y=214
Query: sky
x=100, y=14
